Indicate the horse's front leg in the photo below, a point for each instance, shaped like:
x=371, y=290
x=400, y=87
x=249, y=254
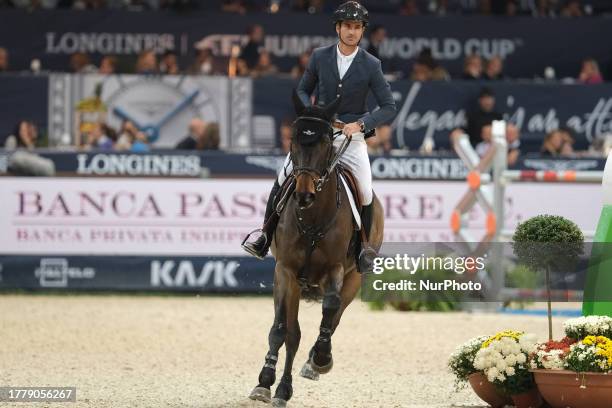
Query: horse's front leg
x=320, y=358
x=276, y=338
x=284, y=390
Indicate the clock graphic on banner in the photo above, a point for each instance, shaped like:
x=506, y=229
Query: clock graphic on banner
x=162, y=106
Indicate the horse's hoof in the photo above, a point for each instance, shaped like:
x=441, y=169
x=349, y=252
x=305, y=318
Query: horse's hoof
x=309, y=372
x=279, y=403
x=322, y=369
x=261, y=394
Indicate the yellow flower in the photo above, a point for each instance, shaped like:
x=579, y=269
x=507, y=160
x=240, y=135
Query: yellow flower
x=507, y=333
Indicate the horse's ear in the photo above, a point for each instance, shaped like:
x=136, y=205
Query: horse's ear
x=330, y=110
x=297, y=103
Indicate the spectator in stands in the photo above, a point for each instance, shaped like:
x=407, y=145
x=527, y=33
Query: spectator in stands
x=381, y=143
x=169, y=64
x=99, y=137
x=264, y=66
x=140, y=143
x=572, y=8
x=438, y=73
x=80, y=63
x=495, y=69
x=410, y=8
x=25, y=136
x=512, y=139
x=131, y=138
x=250, y=53
x=309, y=6
x=286, y=133
x=234, y=6
x=483, y=115
x=378, y=34
x=590, y=74
x=195, y=136
x=146, y=63
x=212, y=137
x=421, y=71
x=557, y=143
x=108, y=65
x=89, y=4
x=544, y=8
x=206, y=64
x=472, y=67
x=298, y=70
x=4, y=60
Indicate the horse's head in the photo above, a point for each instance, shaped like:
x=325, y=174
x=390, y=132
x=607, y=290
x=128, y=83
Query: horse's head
x=311, y=147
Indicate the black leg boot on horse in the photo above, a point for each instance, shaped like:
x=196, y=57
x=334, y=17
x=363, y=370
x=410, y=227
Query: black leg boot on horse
x=367, y=253
x=259, y=248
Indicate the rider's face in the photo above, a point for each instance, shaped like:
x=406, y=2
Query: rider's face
x=350, y=32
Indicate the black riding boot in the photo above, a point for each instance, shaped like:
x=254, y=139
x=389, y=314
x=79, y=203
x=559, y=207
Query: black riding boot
x=367, y=254
x=260, y=247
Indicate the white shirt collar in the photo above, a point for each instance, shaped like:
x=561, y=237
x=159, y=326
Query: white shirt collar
x=346, y=57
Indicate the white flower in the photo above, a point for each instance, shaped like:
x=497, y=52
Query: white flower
x=521, y=358
x=511, y=360
x=510, y=371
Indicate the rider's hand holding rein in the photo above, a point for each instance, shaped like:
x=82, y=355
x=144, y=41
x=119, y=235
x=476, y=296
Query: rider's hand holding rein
x=351, y=128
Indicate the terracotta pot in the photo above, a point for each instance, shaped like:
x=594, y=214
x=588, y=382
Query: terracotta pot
x=529, y=399
x=568, y=389
x=487, y=391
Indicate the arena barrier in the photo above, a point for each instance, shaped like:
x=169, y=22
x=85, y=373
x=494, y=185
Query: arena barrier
x=487, y=180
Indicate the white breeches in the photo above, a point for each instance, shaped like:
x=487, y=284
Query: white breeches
x=355, y=158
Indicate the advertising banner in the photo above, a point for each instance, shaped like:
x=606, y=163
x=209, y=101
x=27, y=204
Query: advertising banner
x=187, y=217
x=54, y=36
x=154, y=273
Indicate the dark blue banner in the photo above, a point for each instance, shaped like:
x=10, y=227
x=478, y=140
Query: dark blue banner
x=226, y=165
x=161, y=273
x=528, y=45
x=436, y=108
x=22, y=98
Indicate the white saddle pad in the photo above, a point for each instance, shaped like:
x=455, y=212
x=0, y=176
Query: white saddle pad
x=352, y=201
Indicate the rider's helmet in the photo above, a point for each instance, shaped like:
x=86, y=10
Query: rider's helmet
x=353, y=11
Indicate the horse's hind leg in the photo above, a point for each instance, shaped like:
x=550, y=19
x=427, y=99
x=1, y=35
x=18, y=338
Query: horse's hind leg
x=276, y=338
x=320, y=359
x=284, y=390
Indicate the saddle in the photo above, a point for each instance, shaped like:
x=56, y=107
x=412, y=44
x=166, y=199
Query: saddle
x=350, y=183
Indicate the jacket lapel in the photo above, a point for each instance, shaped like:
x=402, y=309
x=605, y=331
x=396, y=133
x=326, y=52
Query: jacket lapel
x=334, y=61
x=353, y=66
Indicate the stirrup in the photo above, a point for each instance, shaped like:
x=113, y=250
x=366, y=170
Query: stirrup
x=248, y=248
x=366, y=259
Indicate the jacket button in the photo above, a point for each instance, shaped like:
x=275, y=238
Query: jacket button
x=340, y=86
x=337, y=95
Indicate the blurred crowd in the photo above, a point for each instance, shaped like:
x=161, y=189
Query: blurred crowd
x=536, y=8
x=253, y=60
x=200, y=135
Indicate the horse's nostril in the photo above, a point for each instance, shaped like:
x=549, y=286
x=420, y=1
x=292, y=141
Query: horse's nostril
x=309, y=198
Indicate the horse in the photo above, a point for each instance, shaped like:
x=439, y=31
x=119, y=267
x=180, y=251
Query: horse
x=314, y=247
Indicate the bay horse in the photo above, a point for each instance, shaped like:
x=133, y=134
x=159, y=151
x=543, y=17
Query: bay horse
x=314, y=246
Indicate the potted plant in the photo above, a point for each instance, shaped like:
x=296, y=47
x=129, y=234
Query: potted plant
x=503, y=358
x=461, y=364
x=548, y=242
x=577, y=371
x=581, y=327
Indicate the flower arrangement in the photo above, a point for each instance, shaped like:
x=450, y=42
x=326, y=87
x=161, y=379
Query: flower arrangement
x=461, y=362
x=503, y=359
x=551, y=355
x=581, y=327
x=593, y=354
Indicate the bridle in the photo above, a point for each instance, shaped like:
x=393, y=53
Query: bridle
x=320, y=178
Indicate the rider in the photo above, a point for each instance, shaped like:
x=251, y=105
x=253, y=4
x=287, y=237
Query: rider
x=342, y=69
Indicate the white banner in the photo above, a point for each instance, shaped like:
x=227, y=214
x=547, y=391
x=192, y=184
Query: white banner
x=122, y=216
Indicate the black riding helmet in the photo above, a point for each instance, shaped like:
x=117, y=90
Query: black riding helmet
x=351, y=10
